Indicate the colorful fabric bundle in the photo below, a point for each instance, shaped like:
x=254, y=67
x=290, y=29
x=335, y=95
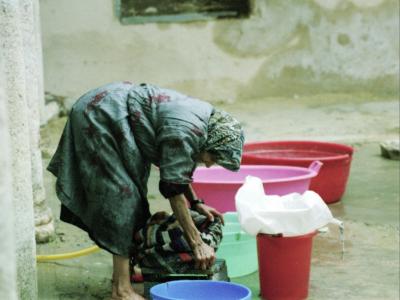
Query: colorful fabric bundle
x=161, y=243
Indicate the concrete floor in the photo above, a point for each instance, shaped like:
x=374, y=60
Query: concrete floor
x=369, y=209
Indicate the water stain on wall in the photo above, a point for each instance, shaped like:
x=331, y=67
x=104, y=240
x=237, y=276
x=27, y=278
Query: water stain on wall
x=347, y=46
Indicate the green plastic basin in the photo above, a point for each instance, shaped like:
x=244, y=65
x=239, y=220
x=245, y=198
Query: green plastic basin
x=237, y=248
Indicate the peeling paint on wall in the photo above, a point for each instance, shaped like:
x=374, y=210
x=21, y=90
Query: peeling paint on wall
x=332, y=44
x=284, y=47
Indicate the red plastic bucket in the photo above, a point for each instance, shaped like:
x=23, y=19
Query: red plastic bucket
x=331, y=181
x=284, y=266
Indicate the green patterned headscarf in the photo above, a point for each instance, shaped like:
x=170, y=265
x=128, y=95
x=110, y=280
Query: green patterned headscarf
x=225, y=140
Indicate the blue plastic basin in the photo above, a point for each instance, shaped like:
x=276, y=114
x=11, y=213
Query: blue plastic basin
x=199, y=290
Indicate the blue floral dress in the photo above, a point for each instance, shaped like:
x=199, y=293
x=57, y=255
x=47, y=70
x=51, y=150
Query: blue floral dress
x=102, y=163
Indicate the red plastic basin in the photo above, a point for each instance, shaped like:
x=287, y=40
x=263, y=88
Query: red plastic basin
x=331, y=181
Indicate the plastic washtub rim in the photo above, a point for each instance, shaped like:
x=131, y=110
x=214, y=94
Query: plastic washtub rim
x=294, y=237
x=311, y=174
x=155, y=290
x=338, y=157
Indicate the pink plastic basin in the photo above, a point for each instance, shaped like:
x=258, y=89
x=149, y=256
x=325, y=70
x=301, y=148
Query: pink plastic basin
x=218, y=186
x=331, y=181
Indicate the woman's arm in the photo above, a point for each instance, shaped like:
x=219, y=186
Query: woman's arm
x=204, y=255
x=205, y=210
x=190, y=194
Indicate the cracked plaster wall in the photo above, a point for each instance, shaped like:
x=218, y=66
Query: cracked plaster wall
x=284, y=48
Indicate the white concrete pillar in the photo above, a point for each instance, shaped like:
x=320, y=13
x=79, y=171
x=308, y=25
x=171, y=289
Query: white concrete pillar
x=18, y=118
x=39, y=45
x=44, y=225
x=8, y=282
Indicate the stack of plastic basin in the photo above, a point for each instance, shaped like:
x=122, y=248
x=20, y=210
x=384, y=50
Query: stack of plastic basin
x=218, y=188
x=331, y=181
x=284, y=259
x=238, y=248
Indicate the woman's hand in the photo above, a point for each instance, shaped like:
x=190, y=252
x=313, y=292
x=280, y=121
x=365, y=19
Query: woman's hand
x=204, y=256
x=209, y=212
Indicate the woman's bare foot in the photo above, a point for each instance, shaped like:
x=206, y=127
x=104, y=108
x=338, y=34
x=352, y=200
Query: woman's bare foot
x=125, y=294
x=121, y=285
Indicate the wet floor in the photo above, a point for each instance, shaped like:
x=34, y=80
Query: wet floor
x=369, y=269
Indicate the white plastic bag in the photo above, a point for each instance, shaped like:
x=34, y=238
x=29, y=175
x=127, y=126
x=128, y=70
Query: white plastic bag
x=290, y=215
